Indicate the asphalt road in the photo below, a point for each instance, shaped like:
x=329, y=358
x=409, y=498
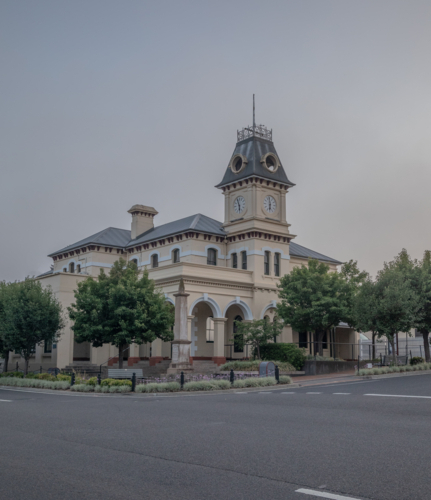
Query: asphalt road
x=357, y=440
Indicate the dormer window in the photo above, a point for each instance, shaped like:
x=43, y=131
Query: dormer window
x=154, y=261
x=212, y=257
x=176, y=255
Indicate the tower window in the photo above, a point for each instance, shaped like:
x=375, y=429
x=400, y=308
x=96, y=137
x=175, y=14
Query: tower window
x=235, y=260
x=176, y=255
x=78, y=268
x=266, y=260
x=237, y=164
x=210, y=330
x=277, y=264
x=154, y=261
x=244, y=260
x=72, y=267
x=212, y=257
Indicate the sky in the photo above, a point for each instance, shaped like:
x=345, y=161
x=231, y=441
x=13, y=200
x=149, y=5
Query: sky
x=106, y=104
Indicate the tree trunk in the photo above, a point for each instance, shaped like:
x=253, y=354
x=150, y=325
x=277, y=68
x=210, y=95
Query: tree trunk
x=120, y=355
x=394, y=354
x=426, y=346
x=373, y=340
x=25, y=366
x=6, y=361
x=320, y=342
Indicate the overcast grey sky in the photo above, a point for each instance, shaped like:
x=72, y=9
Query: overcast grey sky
x=105, y=104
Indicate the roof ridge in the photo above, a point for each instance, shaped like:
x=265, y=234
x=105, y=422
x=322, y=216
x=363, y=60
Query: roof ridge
x=195, y=221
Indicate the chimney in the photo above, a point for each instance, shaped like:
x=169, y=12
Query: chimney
x=142, y=219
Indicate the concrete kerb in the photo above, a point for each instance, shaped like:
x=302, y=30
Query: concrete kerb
x=151, y=394
x=393, y=375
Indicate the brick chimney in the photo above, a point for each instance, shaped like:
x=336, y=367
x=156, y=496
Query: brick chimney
x=142, y=219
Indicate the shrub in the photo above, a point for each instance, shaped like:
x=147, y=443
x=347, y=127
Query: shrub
x=284, y=352
x=285, y=379
x=155, y=387
x=82, y=388
x=13, y=374
x=92, y=381
x=417, y=360
x=45, y=376
x=40, y=384
x=246, y=366
x=202, y=385
x=254, y=382
x=111, y=382
x=99, y=388
x=63, y=378
x=120, y=388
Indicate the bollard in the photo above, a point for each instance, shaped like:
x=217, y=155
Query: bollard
x=277, y=374
x=232, y=377
x=98, y=379
x=17, y=366
x=40, y=371
x=182, y=380
x=72, y=380
x=133, y=382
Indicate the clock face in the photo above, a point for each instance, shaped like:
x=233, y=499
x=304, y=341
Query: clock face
x=269, y=204
x=239, y=204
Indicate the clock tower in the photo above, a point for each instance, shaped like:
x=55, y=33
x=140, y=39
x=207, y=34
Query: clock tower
x=255, y=185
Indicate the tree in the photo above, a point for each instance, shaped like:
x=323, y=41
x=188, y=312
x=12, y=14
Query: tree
x=365, y=309
x=423, y=288
x=257, y=333
x=314, y=299
x=31, y=315
x=354, y=279
x=120, y=309
x=397, y=304
x=4, y=352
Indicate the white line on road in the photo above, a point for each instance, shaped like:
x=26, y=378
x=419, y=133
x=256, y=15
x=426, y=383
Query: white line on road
x=6, y=400
x=324, y=495
x=240, y=393
x=313, y=393
x=288, y=393
x=398, y=396
x=342, y=393
x=265, y=392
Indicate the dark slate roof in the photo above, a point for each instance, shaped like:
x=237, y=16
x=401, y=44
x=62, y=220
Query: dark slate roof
x=305, y=253
x=198, y=223
x=46, y=274
x=111, y=236
x=253, y=149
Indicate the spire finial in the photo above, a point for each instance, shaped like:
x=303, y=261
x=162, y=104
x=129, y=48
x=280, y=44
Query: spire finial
x=254, y=121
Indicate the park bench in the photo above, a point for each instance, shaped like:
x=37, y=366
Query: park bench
x=122, y=373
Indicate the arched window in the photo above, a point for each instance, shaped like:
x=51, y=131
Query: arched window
x=78, y=268
x=235, y=260
x=210, y=330
x=154, y=261
x=176, y=255
x=212, y=257
x=237, y=346
x=266, y=259
x=277, y=264
x=72, y=267
x=135, y=261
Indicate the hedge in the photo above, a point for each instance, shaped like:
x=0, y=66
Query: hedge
x=283, y=352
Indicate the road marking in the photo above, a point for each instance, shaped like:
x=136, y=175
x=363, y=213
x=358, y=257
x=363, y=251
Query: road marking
x=313, y=393
x=265, y=392
x=6, y=400
x=288, y=393
x=240, y=393
x=342, y=393
x=398, y=396
x=324, y=495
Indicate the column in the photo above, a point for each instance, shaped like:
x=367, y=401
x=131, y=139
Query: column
x=219, y=339
x=156, y=352
x=133, y=355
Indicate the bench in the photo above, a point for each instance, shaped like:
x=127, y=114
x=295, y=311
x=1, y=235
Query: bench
x=122, y=373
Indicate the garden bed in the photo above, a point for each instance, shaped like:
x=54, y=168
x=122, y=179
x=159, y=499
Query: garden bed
x=393, y=369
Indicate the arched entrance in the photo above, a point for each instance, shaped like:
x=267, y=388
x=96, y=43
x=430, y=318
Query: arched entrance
x=232, y=349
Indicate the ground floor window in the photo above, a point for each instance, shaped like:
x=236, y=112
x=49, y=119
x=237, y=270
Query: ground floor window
x=47, y=348
x=210, y=330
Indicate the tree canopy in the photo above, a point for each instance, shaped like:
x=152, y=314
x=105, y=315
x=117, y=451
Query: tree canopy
x=257, y=333
x=315, y=299
x=30, y=316
x=120, y=308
